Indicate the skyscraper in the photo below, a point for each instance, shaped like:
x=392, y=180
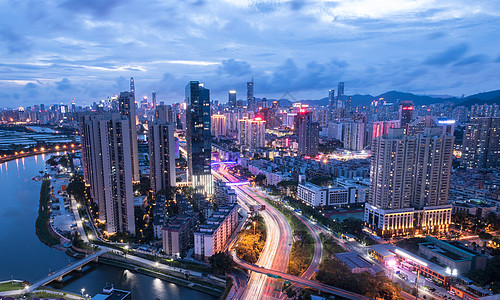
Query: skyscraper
x=340, y=90
x=231, y=99
x=153, y=98
x=308, y=133
x=409, y=182
x=161, y=142
x=353, y=135
x=251, y=132
x=250, y=96
x=107, y=166
x=164, y=113
x=331, y=104
x=126, y=105
x=132, y=86
x=406, y=109
x=219, y=125
x=198, y=137
x=481, y=147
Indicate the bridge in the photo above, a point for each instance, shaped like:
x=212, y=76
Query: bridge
x=76, y=266
x=299, y=280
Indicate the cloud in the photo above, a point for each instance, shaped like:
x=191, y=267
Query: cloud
x=447, y=56
x=95, y=7
x=233, y=67
x=64, y=84
x=15, y=43
x=474, y=59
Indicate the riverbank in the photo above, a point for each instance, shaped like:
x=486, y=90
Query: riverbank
x=39, y=151
x=188, y=281
x=43, y=229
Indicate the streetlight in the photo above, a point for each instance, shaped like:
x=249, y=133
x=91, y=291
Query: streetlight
x=253, y=227
x=82, y=290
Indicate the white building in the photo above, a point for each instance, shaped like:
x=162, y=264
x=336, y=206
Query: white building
x=213, y=236
x=252, y=133
x=337, y=195
x=219, y=125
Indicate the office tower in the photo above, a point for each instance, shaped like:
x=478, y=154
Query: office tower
x=153, y=98
x=231, y=99
x=132, y=86
x=264, y=103
x=126, y=104
x=340, y=90
x=107, y=166
x=164, y=113
x=381, y=128
x=409, y=182
x=250, y=96
x=144, y=103
x=198, y=137
x=481, y=146
x=353, y=135
x=308, y=133
x=331, y=104
x=161, y=142
x=219, y=125
x=406, y=109
x=251, y=133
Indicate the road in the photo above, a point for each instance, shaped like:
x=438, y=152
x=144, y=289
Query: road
x=276, y=252
x=296, y=279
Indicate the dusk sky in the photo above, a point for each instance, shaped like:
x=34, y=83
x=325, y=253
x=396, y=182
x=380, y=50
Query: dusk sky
x=54, y=51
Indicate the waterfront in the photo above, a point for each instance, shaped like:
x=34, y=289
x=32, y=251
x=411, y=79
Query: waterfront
x=24, y=257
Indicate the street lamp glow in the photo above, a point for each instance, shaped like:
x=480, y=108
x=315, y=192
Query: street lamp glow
x=454, y=272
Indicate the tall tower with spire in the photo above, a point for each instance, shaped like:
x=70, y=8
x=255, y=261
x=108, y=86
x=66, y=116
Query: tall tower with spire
x=132, y=86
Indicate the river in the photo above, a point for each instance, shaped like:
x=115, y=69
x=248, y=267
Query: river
x=24, y=257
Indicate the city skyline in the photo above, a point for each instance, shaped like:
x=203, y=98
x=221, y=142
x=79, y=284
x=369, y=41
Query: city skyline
x=301, y=47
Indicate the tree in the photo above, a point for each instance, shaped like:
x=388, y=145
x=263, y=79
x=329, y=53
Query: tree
x=260, y=179
x=220, y=263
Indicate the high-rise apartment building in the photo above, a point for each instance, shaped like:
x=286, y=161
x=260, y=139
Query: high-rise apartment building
x=308, y=133
x=126, y=104
x=164, y=113
x=353, y=135
x=409, y=182
x=481, y=146
x=107, y=166
x=340, y=90
x=251, y=133
x=161, y=142
x=219, y=125
x=198, y=137
x=153, y=99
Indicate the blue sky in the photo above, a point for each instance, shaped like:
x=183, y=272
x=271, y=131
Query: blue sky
x=53, y=51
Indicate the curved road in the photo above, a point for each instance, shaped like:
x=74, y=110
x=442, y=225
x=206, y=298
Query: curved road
x=300, y=280
x=276, y=252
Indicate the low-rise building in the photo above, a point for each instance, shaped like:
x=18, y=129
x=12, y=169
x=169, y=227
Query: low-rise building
x=453, y=255
x=354, y=262
x=213, y=236
x=337, y=195
x=223, y=194
x=474, y=207
x=178, y=234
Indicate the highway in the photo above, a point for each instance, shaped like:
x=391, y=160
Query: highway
x=276, y=252
x=299, y=280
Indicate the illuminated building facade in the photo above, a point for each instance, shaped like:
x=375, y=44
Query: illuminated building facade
x=126, y=103
x=481, y=147
x=406, y=109
x=219, y=125
x=308, y=133
x=409, y=183
x=251, y=133
x=107, y=165
x=231, y=101
x=198, y=137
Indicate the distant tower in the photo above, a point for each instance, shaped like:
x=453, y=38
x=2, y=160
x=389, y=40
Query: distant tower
x=232, y=99
x=153, y=98
x=132, y=86
x=199, y=137
x=161, y=142
x=331, y=103
x=250, y=96
x=308, y=132
x=127, y=108
x=340, y=90
x=405, y=113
